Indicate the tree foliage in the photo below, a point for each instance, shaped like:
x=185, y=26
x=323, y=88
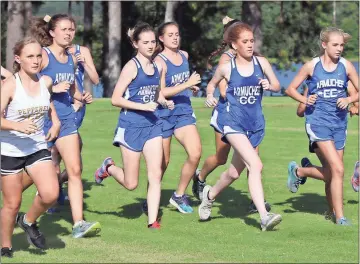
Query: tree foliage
x=290, y=29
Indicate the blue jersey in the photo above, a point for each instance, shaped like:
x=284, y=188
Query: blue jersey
x=329, y=86
x=141, y=90
x=60, y=72
x=244, y=96
x=221, y=105
x=176, y=75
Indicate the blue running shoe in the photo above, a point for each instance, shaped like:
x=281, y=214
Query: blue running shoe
x=101, y=173
x=181, y=203
x=293, y=180
x=305, y=162
x=86, y=229
x=343, y=221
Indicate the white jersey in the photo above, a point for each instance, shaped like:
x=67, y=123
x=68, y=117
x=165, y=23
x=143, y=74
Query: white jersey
x=22, y=107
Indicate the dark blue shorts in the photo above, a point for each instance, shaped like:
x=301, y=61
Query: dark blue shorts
x=215, y=120
x=134, y=138
x=255, y=137
x=68, y=127
x=79, y=116
x=318, y=133
x=171, y=123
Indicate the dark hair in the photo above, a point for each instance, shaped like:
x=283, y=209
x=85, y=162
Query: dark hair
x=19, y=46
x=222, y=45
x=160, y=32
x=40, y=28
x=134, y=33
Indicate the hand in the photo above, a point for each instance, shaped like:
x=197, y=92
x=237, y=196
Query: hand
x=195, y=90
x=354, y=110
x=311, y=99
x=210, y=101
x=170, y=104
x=62, y=87
x=194, y=79
x=27, y=127
x=53, y=132
x=151, y=107
x=87, y=98
x=342, y=103
x=80, y=58
x=264, y=84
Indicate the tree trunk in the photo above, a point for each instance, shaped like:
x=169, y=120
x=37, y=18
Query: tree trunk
x=334, y=13
x=87, y=40
x=251, y=14
x=70, y=7
x=170, y=10
x=111, y=48
x=15, y=30
x=105, y=47
x=114, y=45
x=27, y=14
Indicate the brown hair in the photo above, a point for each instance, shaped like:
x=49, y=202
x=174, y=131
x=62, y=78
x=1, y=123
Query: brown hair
x=223, y=43
x=325, y=33
x=17, y=49
x=134, y=33
x=160, y=32
x=40, y=28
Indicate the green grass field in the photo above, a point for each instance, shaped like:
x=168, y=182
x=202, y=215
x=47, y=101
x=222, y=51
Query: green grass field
x=232, y=235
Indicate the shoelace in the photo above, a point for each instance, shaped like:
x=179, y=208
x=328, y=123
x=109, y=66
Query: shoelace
x=298, y=179
x=202, y=184
x=297, y=182
x=343, y=221
x=208, y=203
x=185, y=199
x=355, y=181
x=81, y=224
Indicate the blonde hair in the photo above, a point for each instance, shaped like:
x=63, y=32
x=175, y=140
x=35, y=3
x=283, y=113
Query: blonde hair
x=19, y=46
x=325, y=33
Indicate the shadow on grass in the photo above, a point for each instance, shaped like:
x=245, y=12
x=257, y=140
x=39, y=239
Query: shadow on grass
x=51, y=232
x=234, y=203
x=312, y=203
x=50, y=228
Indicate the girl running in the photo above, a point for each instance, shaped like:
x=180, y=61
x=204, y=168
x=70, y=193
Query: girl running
x=222, y=148
x=55, y=37
x=85, y=64
x=26, y=97
x=326, y=113
x=181, y=121
x=307, y=169
x=139, y=128
x=243, y=123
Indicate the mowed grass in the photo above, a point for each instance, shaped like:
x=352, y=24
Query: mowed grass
x=232, y=235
